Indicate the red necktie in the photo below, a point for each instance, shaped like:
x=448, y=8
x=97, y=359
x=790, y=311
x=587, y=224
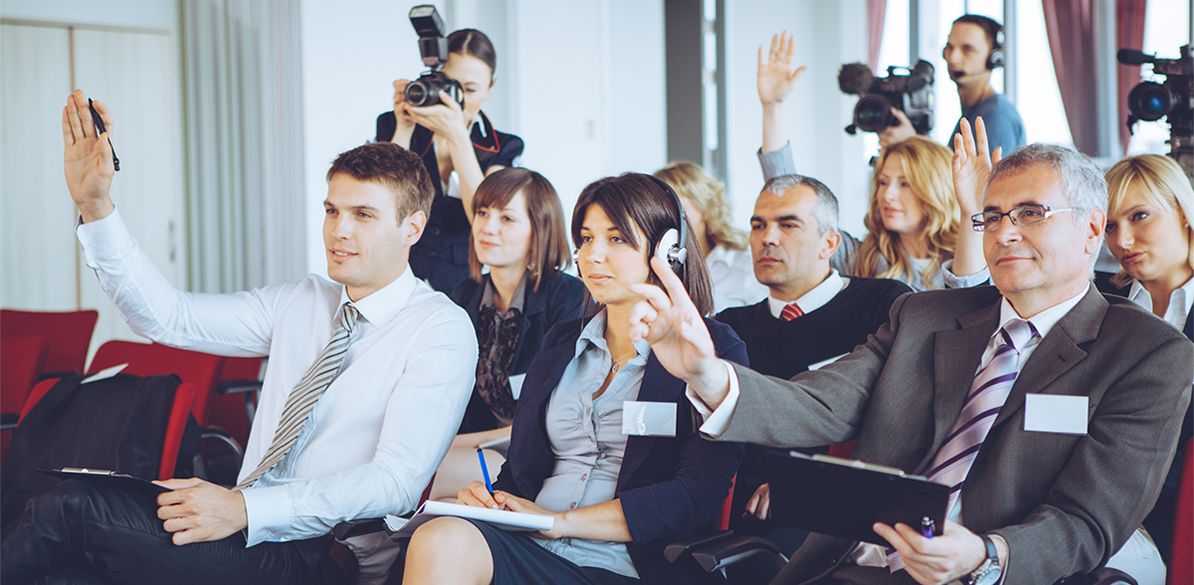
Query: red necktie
x=791, y=311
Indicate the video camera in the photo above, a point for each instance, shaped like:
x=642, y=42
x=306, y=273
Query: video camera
x=1173, y=99
x=433, y=47
x=911, y=92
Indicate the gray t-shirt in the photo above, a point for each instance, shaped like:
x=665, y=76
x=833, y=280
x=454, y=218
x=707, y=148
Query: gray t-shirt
x=1004, y=126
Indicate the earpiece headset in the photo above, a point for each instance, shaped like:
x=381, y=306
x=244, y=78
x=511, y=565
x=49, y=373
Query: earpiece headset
x=995, y=58
x=671, y=245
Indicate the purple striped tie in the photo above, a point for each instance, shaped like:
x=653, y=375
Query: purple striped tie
x=990, y=389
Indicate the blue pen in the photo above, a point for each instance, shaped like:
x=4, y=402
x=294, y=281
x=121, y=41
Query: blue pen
x=485, y=471
x=926, y=524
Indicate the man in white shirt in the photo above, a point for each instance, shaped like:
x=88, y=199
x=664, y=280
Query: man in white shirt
x=954, y=388
x=368, y=379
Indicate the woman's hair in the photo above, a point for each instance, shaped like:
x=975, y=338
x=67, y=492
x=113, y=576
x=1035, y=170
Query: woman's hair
x=636, y=203
x=708, y=195
x=548, y=249
x=1162, y=182
x=926, y=165
x=474, y=43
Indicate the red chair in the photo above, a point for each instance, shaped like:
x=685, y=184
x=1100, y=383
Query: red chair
x=22, y=360
x=67, y=335
x=235, y=401
x=1181, y=565
x=200, y=370
x=184, y=397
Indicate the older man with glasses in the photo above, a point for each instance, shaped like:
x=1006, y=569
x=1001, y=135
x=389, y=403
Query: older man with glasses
x=953, y=389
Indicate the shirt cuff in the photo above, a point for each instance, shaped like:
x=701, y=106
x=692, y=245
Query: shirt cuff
x=266, y=509
x=965, y=281
x=105, y=239
x=716, y=420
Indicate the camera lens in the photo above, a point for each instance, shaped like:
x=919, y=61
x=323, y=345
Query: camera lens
x=1151, y=101
x=416, y=94
x=872, y=113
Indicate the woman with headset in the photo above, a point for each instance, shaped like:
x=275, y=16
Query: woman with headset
x=616, y=493
x=459, y=147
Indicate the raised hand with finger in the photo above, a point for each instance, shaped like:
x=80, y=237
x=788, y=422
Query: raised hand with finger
x=971, y=168
x=87, y=157
x=775, y=76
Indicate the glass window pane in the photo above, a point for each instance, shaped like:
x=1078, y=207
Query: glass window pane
x=1036, y=80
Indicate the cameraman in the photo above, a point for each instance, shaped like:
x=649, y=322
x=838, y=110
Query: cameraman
x=973, y=50
x=459, y=147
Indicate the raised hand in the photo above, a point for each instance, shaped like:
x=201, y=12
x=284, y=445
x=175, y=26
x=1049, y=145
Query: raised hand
x=678, y=336
x=87, y=158
x=405, y=124
x=972, y=166
x=776, y=77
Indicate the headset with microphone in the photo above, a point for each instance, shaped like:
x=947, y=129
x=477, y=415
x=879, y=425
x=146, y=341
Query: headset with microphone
x=995, y=58
x=670, y=248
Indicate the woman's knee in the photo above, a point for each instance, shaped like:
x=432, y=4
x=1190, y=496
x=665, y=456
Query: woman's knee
x=442, y=542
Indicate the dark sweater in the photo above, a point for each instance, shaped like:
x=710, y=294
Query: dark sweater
x=786, y=348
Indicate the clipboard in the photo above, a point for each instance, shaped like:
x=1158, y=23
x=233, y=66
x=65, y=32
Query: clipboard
x=108, y=476
x=844, y=497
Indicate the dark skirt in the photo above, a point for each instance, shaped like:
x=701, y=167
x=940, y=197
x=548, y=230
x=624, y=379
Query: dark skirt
x=518, y=559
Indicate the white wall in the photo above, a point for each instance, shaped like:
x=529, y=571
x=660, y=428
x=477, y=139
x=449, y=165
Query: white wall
x=827, y=35
x=352, y=52
x=154, y=14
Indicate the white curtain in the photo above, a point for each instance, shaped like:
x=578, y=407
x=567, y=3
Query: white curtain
x=244, y=143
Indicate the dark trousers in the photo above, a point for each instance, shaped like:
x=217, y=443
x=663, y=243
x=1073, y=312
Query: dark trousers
x=84, y=532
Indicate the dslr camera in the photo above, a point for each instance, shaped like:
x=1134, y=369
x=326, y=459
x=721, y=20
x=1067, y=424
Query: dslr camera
x=433, y=47
x=909, y=89
x=1174, y=99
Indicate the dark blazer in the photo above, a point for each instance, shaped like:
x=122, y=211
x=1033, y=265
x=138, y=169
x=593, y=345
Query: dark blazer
x=558, y=299
x=441, y=256
x=1160, y=521
x=669, y=488
x=1064, y=503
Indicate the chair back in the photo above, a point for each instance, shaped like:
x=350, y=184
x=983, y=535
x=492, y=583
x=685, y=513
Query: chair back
x=23, y=359
x=1181, y=565
x=150, y=359
x=228, y=411
x=67, y=335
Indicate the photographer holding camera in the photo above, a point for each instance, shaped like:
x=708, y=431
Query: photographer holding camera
x=445, y=126
x=973, y=50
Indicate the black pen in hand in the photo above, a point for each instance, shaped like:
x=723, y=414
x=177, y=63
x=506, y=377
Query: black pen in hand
x=99, y=126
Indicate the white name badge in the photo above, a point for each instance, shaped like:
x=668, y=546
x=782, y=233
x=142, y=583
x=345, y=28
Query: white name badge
x=822, y=364
x=1049, y=413
x=516, y=384
x=649, y=419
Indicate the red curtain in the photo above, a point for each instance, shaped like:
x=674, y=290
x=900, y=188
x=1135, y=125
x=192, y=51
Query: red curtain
x=1070, y=25
x=876, y=12
x=1129, y=34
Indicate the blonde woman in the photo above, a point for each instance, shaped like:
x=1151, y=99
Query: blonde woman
x=1149, y=209
x=725, y=249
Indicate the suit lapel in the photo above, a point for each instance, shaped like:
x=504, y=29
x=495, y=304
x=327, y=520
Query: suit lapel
x=1060, y=351
x=657, y=386
x=956, y=354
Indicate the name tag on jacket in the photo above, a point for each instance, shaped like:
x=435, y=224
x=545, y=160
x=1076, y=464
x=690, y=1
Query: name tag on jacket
x=649, y=419
x=1049, y=413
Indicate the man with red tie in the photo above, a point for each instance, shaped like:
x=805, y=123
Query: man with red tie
x=811, y=316
x=1051, y=410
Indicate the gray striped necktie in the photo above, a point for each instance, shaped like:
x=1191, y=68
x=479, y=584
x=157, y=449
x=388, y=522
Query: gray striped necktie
x=306, y=393
x=990, y=389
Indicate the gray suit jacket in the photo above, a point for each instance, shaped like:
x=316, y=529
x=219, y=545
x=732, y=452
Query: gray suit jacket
x=1065, y=503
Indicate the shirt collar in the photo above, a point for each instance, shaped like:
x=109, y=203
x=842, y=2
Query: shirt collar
x=813, y=299
x=1183, y=295
x=383, y=304
x=490, y=293
x=594, y=335
x=1043, y=321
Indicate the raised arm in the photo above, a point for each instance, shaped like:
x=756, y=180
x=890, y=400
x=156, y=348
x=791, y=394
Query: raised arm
x=972, y=165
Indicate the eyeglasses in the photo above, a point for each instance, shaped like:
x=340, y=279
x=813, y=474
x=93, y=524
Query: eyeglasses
x=1024, y=215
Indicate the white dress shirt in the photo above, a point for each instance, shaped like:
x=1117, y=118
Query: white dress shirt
x=375, y=437
x=814, y=299
x=1181, y=300
x=732, y=273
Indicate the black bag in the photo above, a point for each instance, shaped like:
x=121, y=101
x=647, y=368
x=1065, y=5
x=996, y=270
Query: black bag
x=117, y=424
